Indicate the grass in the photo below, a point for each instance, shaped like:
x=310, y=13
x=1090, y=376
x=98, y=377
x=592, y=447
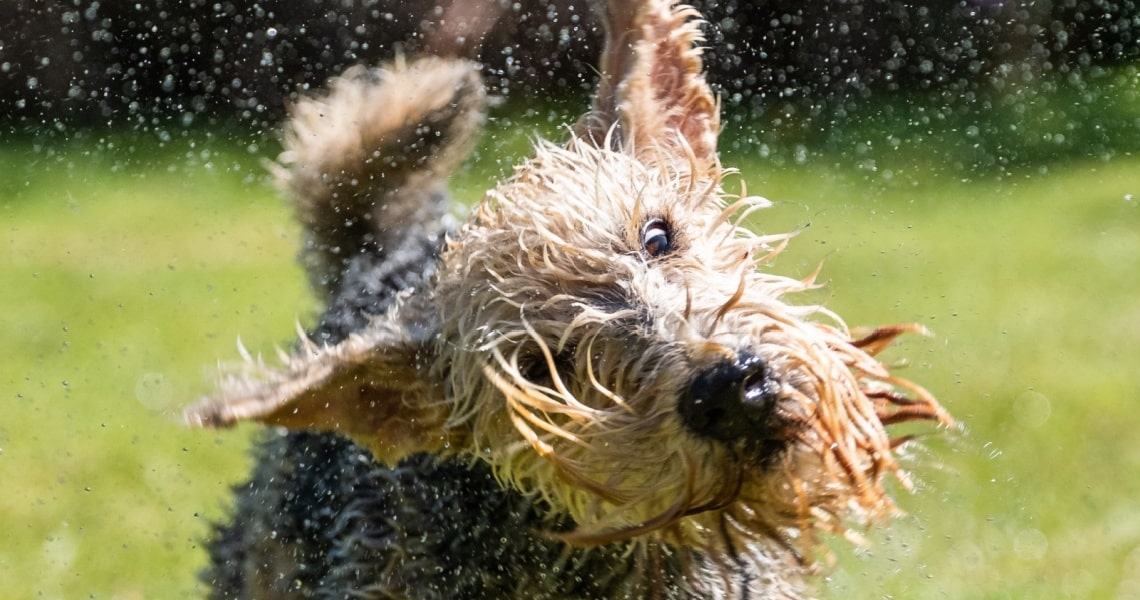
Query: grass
x=129, y=266
x=1030, y=289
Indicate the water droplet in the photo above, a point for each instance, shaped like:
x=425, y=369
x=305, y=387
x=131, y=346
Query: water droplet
x=1030, y=544
x=1032, y=408
x=154, y=391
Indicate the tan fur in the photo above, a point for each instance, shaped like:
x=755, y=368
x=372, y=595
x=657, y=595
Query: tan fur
x=652, y=88
x=548, y=276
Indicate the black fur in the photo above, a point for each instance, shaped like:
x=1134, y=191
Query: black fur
x=320, y=519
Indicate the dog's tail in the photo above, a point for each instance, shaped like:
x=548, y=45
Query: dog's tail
x=366, y=162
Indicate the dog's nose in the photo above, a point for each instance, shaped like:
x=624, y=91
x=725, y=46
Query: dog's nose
x=733, y=401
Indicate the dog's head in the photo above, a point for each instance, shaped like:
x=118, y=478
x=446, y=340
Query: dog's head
x=607, y=337
x=613, y=340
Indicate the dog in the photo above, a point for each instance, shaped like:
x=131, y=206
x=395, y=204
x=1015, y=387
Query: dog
x=593, y=387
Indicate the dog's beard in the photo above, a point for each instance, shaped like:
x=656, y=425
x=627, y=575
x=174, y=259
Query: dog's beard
x=598, y=436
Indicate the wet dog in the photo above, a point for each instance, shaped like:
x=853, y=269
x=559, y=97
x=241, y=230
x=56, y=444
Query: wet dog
x=593, y=387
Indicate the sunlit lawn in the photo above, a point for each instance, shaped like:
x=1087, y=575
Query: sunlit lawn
x=123, y=281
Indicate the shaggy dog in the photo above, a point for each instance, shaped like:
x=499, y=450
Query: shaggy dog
x=591, y=388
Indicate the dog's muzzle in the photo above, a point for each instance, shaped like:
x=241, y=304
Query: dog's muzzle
x=735, y=402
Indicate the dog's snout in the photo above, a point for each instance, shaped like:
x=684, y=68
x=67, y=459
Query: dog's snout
x=732, y=401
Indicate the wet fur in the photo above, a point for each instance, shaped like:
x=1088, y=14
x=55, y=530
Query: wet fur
x=515, y=386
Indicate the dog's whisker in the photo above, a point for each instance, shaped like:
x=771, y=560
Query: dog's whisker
x=598, y=385
x=731, y=302
x=773, y=252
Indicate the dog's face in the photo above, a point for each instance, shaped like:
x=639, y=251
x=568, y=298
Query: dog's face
x=606, y=336
x=615, y=344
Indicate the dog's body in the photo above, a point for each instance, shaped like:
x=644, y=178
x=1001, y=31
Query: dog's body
x=589, y=390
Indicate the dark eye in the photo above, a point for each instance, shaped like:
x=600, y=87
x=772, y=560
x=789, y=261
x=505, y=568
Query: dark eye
x=655, y=238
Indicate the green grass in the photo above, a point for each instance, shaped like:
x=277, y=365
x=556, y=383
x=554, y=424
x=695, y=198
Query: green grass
x=1031, y=290
x=121, y=284
x=130, y=266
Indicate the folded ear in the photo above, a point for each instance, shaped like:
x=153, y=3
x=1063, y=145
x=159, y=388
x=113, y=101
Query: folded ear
x=373, y=387
x=652, y=93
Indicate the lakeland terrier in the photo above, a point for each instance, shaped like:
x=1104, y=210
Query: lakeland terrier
x=592, y=388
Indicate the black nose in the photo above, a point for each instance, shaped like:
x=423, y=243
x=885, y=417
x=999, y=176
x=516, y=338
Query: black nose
x=734, y=401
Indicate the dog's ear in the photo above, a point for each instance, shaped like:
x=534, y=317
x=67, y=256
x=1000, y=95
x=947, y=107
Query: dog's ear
x=374, y=387
x=653, y=99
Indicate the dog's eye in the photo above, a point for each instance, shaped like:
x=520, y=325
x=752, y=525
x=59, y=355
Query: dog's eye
x=655, y=238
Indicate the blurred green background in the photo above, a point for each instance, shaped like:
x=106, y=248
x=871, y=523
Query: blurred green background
x=132, y=262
